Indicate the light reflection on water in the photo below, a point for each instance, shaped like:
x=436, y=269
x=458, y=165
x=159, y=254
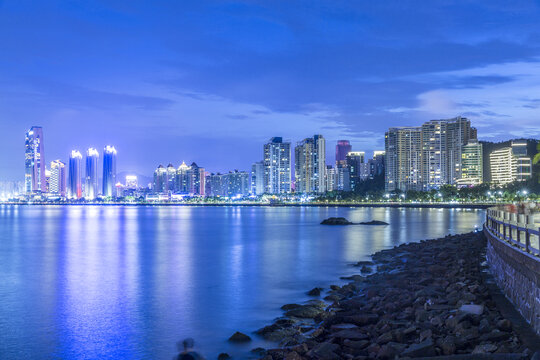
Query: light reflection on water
x=128, y=282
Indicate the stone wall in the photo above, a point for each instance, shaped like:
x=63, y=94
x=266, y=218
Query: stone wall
x=518, y=275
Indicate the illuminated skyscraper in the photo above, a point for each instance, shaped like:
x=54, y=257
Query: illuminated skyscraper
x=171, y=178
x=75, y=175
x=57, y=183
x=355, y=161
x=277, y=166
x=196, y=180
x=403, y=158
x=160, y=180
x=343, y=147
x=109, y=171
x=91, y=179
x=310, y=165
x=182, y=178
x=34, y=176
x=257, y=178
x=471, y=164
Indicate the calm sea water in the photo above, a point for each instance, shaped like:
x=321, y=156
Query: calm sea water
x=107, y=282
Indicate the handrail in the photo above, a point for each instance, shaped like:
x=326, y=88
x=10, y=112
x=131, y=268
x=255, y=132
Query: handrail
x=504, y=225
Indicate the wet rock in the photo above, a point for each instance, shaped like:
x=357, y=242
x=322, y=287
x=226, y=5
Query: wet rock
x=324, y=350
x=259, y=351
x=224, y=356
x=366, y=270
x=387, y=352
x=239, y=337
x=423, y=349
x=336, y=221
x=315, y=291
x=290, y=306
x=472, y=309
x=305, y=312
x=447, y=345
x=374, y=222
x=384, y=338
x=484, y=349
x=504, y=325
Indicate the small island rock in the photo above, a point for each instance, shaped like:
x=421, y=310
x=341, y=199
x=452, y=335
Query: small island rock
x=336, y=221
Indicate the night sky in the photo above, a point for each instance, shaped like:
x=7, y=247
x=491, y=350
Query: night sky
x=210, y=82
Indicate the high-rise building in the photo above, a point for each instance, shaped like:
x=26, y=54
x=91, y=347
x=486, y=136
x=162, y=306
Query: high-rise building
x=343, y=147
x=403, y=158
x=277, y=166
x=343, y=178
x=354, y=160
x=132, y=182
x=171, y=178
x=75, y=175
x=235, y=183
x=57, y=183
x=91, y=179
x=310, y=165
x=331, y=178
x=472, y=171
x=196, y=179
x=182, y=178
x=109, y=171
x=442, y=142
x=257, y=178
x=160, y=180
x=34, y=176
x=426, y=157
x=524, y=162
x=213, y=185
x=377, y=163
x=503, y=166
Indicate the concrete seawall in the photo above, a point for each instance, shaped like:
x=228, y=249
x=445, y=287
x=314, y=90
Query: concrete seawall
x=516, y=268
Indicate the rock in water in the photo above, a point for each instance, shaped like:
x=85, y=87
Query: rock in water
x=374, y=222
x=315, y=292
x=239, y=337
x=336, y=221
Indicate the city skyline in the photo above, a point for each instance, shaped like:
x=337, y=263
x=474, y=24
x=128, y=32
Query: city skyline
x=422, y=158
x=91, y=84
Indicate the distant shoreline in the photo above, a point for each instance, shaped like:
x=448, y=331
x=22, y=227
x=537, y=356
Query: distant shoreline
x=359, y=205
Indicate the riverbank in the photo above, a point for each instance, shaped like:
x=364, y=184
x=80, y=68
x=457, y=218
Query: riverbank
x=426, y=299
x=438, y=205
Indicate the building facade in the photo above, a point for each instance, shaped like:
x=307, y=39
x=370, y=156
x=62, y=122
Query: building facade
x=57, y=182
x=355, y=161
x=428, y=156
x=503, y=165
x=34, y=176
x=472, y=170
x=160, y=180
x=257, y=178
x=277, y=166
x=310, y=165
x=343, y=147
x=75, y=175
x=109, y=171
x=91, y=177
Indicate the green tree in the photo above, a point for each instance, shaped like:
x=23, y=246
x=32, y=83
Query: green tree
x=536, y=159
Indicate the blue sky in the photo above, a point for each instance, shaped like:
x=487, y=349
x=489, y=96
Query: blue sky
x=210, y=81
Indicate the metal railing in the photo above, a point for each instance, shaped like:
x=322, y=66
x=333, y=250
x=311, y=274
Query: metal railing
x=520, y=230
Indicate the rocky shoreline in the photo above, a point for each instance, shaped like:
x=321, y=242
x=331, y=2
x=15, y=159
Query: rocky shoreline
x=428, y=299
